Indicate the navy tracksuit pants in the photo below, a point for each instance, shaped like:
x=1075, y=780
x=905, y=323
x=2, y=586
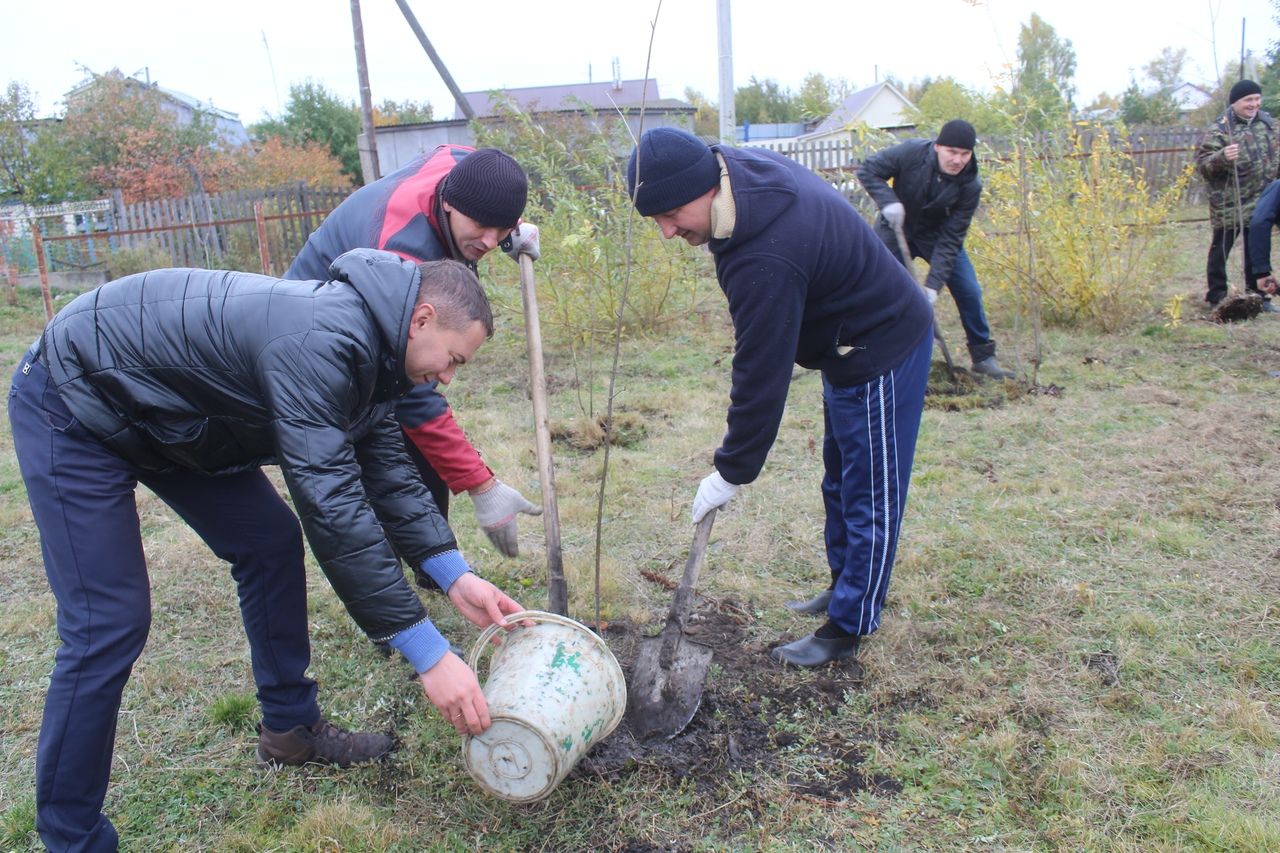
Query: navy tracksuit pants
x=867, y=452
x=82, y=497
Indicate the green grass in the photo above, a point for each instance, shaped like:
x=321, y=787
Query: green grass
x=1134, y=513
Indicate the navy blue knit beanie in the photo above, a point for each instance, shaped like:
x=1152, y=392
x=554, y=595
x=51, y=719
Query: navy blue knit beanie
x=1243, y=89
x=675, y=168
x=488, y=186
x=957, y=133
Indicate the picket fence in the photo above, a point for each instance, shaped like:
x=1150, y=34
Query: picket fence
x=264, y=229
x=200, y=230
x=1161, y=153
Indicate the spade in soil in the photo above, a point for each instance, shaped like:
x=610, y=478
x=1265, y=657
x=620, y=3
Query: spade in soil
x=670, y=669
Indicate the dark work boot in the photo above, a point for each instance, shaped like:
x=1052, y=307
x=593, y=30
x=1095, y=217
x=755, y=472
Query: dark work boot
x=323, y=743
x=990, y=367
x=816, y=606
x=826, y=645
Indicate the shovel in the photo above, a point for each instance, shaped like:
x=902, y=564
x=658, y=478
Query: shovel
x=557, y=586
x=937, y=333
x=670, y=669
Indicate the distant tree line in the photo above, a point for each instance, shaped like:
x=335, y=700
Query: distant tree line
x=115, y=133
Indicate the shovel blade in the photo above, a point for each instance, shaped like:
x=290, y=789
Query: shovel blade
x=664, y=695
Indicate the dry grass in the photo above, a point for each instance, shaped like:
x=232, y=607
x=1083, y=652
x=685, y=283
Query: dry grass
x=1079, y=650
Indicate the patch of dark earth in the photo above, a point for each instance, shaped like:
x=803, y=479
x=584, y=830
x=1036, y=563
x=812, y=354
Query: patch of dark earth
x=961, y=390
x=747, y=722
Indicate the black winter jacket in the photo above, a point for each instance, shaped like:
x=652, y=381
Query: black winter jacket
x=218, y=372
x=939, y=206
x=808, y=283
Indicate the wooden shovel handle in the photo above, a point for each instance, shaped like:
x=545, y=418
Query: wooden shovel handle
x=557, y=587
x=683, y=600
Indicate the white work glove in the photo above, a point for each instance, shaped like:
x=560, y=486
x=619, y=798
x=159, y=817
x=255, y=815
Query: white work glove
x=895, y=214
x=931, y=295
x=713, y=492
x=523, y=240
x=496, y=510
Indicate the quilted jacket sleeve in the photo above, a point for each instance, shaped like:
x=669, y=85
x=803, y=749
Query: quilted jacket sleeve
x=875, y=172
x=313, y=384
x=409, y=516
x=950, y=236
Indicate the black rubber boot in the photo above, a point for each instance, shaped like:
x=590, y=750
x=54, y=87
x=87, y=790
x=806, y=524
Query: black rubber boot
x=823, y=646
x=816, y=606
x=813, y=651
x=990, y=367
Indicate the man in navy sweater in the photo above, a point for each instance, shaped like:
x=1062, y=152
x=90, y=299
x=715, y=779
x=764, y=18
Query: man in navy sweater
x=808, y=283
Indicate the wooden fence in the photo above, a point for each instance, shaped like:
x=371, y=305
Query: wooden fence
x=202, y=230
x=264, y=229
x=1161, y=153
x=233, y=230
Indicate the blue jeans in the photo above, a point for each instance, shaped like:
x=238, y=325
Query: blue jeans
x=82, y=498
x=967, y=294
x=867, y=452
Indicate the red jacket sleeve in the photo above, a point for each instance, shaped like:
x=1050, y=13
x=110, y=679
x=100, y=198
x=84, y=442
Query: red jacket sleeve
x=445, y=447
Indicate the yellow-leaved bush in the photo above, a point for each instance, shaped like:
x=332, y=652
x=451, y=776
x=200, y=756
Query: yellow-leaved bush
x=1076, y=236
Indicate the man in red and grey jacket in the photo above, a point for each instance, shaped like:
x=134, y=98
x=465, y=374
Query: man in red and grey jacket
x=455, y=203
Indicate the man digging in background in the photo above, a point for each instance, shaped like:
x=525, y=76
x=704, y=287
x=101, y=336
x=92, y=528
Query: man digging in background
x=455, y=203
x=189, y=381
x=934, y=195
x=808, y=283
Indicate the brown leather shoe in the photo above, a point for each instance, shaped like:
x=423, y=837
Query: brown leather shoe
x=323, y=743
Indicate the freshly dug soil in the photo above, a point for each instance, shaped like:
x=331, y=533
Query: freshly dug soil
x=1236, y=307
x=745, y=720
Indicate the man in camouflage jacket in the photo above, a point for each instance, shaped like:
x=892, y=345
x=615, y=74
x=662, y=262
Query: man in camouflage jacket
x=1237, y=158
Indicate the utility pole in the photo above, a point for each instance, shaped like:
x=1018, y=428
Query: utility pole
x=436, y=61
x=728, y=120
x=366, y=100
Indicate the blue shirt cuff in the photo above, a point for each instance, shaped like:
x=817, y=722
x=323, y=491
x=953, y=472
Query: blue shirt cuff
x=445, y=568
x=422, y=645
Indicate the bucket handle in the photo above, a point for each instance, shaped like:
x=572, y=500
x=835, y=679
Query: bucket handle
x=482, y=642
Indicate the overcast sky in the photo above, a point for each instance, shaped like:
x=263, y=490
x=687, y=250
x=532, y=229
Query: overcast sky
x=242, y=55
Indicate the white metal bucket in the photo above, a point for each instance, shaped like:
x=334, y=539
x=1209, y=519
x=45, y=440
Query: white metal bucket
x=554, y=690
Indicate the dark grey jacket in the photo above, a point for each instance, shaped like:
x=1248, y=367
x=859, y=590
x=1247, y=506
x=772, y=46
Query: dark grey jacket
x=939, y=206
x=218, y=372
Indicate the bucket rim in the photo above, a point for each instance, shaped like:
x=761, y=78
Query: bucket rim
x=541, y=794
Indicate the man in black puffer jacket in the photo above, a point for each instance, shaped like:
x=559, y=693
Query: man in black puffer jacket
x=457, y=203
x=189, y=381
x=934, y=195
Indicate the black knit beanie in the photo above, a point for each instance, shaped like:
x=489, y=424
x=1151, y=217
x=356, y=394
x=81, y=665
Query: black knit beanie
x=957, y=133
x=675, y=168
x=1243, y=89
x=488, y=186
